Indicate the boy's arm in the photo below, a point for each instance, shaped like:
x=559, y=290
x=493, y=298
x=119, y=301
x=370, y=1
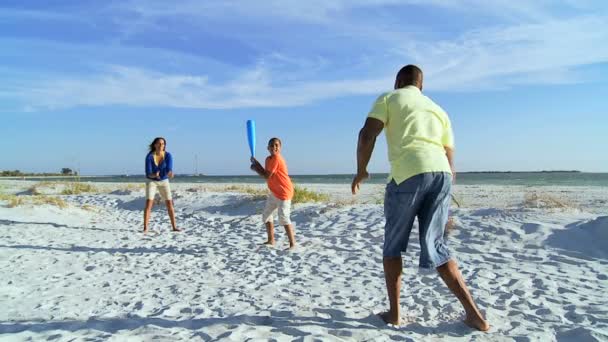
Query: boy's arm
x=259, y=169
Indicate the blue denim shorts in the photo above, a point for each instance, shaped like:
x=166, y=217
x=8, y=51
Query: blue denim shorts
x=426, y=196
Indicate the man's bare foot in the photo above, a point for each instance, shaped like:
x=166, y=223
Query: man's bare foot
x=176, y=229
x=390, y=318
x=477, y=323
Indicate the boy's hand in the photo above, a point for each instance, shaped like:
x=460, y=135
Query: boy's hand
x=359, y=177
x=255, y=165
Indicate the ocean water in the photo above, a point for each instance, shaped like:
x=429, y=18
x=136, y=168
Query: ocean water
x=465, y=178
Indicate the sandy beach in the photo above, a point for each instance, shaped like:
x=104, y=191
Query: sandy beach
x=535, y=259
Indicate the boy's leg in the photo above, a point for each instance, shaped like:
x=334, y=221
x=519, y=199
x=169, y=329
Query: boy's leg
x=268, y=217
x=451, y=276
x=284, y=211
x=270, y=233
x=290, y=235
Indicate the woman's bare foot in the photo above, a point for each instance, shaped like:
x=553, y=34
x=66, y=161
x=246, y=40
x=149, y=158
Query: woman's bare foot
x=477, y=323
x=145, y=230
x=269, y=243
x=390, y=318
x=176, y=229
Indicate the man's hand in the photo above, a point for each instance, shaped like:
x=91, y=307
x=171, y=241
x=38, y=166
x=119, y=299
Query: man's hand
x=359, y=177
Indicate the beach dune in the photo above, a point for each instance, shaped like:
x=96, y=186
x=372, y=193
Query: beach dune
x=537, y=266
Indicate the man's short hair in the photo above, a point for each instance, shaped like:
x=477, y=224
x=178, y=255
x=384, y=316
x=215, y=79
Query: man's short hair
x=409, y=75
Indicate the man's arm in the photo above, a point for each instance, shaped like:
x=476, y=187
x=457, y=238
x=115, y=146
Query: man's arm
x=365, y=147
x=449, y=153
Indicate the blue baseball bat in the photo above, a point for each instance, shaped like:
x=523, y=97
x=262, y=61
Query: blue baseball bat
x=251, y=136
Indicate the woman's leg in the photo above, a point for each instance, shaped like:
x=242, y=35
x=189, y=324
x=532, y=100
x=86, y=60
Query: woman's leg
x=147, y=210
x=171, y=212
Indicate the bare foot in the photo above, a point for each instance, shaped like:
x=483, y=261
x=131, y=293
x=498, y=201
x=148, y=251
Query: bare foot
x=389, y=318
x=269, y=243
x=177, y=230
x=145, y=231
x=291, y=247
x=477, y=323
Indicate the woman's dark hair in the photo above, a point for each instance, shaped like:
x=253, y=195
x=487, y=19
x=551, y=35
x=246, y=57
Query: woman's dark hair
x=151, y=147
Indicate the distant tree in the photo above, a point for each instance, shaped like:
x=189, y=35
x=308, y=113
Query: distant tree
x=66, y=171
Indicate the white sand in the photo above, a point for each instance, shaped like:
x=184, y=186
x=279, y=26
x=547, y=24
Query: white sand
x=539, y=274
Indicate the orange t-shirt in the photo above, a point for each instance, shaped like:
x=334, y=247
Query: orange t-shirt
x=279, y=182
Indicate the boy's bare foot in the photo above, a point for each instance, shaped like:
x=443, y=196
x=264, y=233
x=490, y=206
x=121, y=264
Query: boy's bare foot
x=477, y=323
x=176, y=230
x=390, y=318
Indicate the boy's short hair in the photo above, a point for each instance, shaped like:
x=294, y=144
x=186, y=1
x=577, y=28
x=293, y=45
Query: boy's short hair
x=273, y=139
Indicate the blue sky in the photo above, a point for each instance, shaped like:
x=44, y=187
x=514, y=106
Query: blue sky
x=88, y=84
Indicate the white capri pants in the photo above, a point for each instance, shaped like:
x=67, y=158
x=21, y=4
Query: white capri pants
x=274, y=204
x=163, y=188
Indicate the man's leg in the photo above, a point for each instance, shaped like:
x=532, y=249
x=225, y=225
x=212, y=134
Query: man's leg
x=171, y=212
x=270, y=233
x=147, y=210
x=450, y=274
x=392, y=275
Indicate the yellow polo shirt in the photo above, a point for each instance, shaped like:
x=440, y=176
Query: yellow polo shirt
x=416, y=132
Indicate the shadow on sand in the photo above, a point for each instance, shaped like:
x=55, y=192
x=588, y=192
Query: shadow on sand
x=282, y=322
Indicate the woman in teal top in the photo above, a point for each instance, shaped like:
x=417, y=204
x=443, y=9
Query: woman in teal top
x=159, y=168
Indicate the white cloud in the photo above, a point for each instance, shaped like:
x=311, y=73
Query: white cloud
x=530, y=43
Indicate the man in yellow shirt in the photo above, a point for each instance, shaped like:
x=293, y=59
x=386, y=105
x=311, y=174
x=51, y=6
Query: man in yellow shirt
x=420, y=150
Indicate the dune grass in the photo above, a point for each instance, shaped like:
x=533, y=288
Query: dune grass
x=15, y=201
x=304, y=195
x=12, y=200
x=51, y=200
x=542, y=200
x=255, y=193
x=77, y=188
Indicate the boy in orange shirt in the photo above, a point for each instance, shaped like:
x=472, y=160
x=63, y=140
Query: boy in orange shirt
x=281, y=191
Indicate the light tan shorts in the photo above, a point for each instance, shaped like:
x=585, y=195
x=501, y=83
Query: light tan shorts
x=163, y=188
x=272, y=205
